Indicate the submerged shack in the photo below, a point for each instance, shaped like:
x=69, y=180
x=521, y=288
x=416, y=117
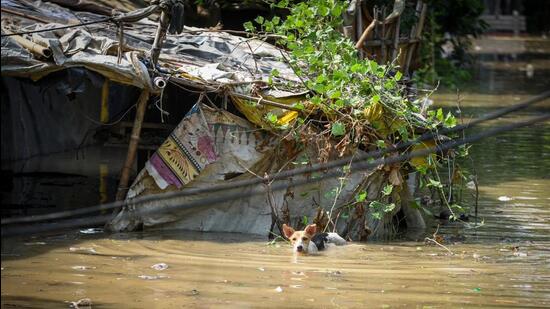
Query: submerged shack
x=204, y=115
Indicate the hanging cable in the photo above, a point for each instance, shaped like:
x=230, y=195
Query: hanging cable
x=354, y=167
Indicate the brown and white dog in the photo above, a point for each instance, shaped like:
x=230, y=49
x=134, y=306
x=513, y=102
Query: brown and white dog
x=307, y=241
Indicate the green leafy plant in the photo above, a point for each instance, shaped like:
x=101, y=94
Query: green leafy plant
x=362, y=103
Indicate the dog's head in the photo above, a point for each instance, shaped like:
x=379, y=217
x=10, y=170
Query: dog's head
x=300, y=239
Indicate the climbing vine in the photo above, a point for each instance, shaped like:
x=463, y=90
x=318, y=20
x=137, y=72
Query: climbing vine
x=356, y=103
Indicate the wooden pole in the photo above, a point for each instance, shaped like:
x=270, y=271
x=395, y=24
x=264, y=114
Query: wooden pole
x=133, y=145
x=416, y=32
x=396, y=40
x=383, y=36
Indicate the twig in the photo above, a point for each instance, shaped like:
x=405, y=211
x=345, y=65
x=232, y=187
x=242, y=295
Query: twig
x=274, y=215
x=437, y=243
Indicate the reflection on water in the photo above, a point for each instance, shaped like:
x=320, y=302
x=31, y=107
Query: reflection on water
x=503, y=263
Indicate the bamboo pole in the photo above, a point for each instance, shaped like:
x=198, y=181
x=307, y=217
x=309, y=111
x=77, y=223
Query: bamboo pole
x=383, y=36
x=396, y=39
x=104, y=113
x=415, y=34
x=365, y=34
x=133, y=145
x=34, y=48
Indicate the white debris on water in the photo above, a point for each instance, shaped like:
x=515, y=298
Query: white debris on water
x=279, y=289
x=94, y=230
x=80, y=267
x=520, y=254
x=83, y=250
x=160, y=266
x=504, y=198
x=82, y=303
x=148, y=277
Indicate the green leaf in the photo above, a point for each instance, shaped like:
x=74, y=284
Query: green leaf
x=377, y=215
x=323, y=10
x=321, y=79
x=268, y=26
x=387, y=190
x=338, y=129
x=435, y=183
x=291, y=37
x=272, y=118
x=389, y=207
x=439, y=115
x=381, y=144
x=373, y=65
x=275, y=73
x=376, y=205
x=398, y=76
x=336, y=94
x=299, y=106
x=305, y=220
x=337, y=11
x=259, y=20
x=282, y=4
x=319, y=88
x=450, y=120
x=248, y=26
x=360, y=197
x=357, y=68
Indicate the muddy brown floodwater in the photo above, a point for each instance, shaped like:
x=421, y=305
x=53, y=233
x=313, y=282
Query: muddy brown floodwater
x=505, y=262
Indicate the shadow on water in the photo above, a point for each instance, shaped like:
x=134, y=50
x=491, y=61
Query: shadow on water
x=21, y=247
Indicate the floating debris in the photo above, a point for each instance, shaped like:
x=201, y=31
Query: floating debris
x=86, y=250
x=520, y=254
x=82, y=303
x=93, y=230
x=79, y=267
x=504, y=198
x=193, y=292
x=36, y=243
x=160, y=266
x=148, y=277
x=279, y=289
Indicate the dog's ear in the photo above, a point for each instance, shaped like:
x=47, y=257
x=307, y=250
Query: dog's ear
x=311, y=229
x=288, y=231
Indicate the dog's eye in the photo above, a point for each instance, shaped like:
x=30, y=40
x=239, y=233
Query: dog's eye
x=294, y=239
x=304, y=238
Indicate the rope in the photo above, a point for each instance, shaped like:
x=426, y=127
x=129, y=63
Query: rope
x=59, y=28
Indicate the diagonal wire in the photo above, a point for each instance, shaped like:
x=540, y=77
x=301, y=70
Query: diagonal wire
x=59, y=28
x=209, y=201
x=281, y=175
